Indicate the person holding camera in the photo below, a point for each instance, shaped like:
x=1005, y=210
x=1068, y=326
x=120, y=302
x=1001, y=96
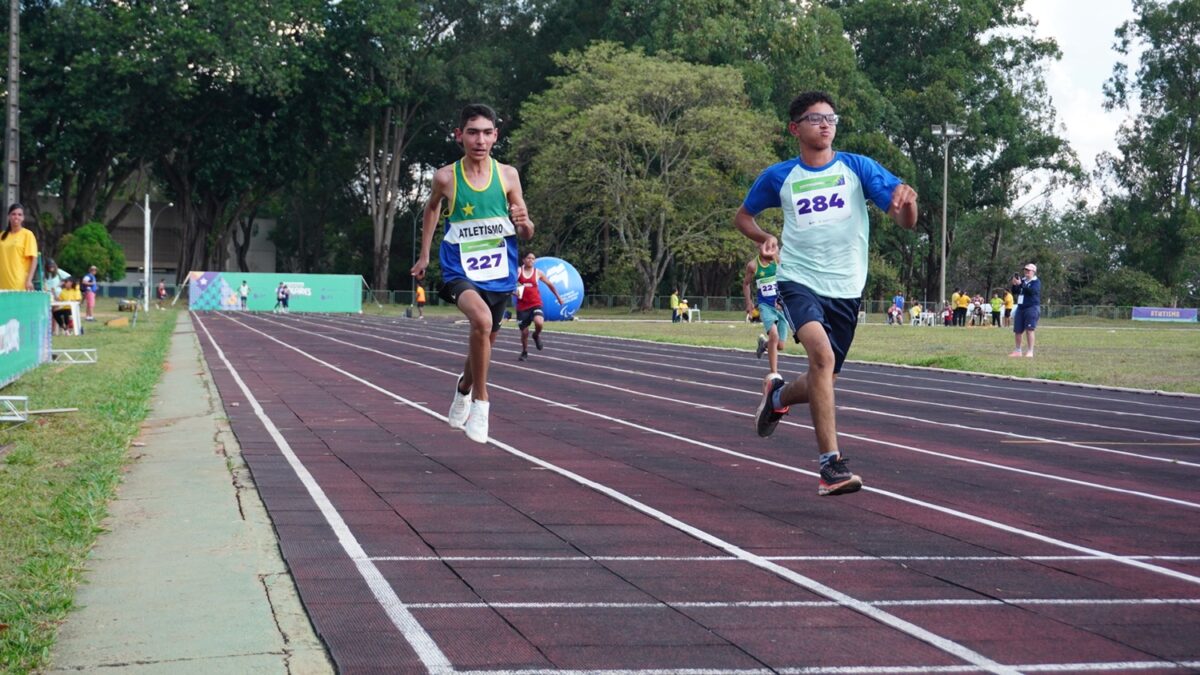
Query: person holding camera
x=1028, y=309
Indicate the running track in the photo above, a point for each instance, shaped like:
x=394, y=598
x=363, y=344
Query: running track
x=626, y=518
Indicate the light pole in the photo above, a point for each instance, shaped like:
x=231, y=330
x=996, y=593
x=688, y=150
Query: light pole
x=146, y=244
x=946, y=132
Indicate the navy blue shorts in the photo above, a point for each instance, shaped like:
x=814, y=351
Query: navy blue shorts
x=1026, y=318
x=839, y=316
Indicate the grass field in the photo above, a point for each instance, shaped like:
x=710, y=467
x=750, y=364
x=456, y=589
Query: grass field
x=59, y=471
x=1158, y=356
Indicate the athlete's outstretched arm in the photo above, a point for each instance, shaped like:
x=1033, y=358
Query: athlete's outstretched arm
x=542, y=276
x=768, y=245
x=443, y=184
x=517, y=210
x=747, y=279
x=903, y=210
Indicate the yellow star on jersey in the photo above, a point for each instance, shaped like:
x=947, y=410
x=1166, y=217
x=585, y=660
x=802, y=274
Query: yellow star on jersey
x=468, y=210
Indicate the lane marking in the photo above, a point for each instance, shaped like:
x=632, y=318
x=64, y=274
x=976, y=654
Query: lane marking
x=811, y=604
x=426, y=649
x=867, y=670
x=847, y=601
x=890, y=444
x=867, y=411
x=939, y=508
x=777, y=558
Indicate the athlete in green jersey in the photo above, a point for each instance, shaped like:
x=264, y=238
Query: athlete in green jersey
x=762, y=275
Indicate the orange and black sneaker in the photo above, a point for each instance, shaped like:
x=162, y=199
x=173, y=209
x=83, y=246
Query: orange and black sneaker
x=768, y=415
x=836, y=479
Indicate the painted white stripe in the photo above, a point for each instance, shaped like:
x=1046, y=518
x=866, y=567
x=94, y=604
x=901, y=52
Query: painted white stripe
x=786, y=467
x=981, y=430
x=622, y=354
x=576, y=379
x=778, y=604
x=776, y=558
x=426, y=649
x=869, y=670
x=880, y=616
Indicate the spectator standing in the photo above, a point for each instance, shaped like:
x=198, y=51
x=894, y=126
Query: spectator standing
x=997, y=304
x=960, y=308
x=675, y=305
x=88, y=286
x=898, y=303
x=160, y=294
x=420, y=301
x=1029, y=307
x=947, y=315
x=1008, y=308
x=18, y=253
x=244, y=295
x=282, y=294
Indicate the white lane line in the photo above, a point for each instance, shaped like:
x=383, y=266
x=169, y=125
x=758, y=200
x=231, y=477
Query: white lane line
x=691, y=441
x=814, y=604
x=1092, y=667
x=426, y=649
x=575, y=379
x=617, y=353
x=849, y=602
x=776, y=558
x=840, y=389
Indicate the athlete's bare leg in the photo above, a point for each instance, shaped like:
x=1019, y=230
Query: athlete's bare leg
x=816, y=387
x=479, y=357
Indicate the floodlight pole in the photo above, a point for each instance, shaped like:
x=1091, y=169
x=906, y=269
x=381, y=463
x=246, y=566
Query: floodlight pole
x=947, y=132
x=146, y=255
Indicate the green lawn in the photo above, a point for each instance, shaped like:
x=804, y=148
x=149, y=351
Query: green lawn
x=59, y=471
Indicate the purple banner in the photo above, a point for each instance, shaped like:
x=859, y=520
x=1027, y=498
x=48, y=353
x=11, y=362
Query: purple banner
x=1163, y=314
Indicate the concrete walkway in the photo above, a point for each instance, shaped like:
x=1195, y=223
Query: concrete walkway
x=188, y=578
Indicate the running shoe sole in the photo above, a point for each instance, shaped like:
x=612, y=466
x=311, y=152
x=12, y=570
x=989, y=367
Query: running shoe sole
x=851, y=484
x=766, y=418
x=762, y=347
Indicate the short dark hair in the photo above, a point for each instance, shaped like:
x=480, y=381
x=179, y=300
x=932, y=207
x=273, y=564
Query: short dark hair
x=806, y=100
x=473, y=110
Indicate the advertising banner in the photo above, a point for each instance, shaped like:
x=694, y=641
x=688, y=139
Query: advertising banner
x=1163, y=314
x=306, y=292
x=24, y=333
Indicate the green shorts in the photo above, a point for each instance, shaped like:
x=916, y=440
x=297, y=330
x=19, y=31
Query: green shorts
x=772, y=317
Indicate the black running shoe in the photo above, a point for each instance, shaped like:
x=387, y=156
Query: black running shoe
x=762, y=346
x=537, y=341
x=836, y=479
x=523, y=356
x=768, y=417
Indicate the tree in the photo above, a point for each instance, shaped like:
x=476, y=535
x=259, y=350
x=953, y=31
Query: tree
x=92, y=245
x=656, y=149
x=1155, y=222
x=971, y=62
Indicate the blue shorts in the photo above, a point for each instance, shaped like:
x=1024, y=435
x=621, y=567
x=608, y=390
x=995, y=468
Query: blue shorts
x=839, y=316
x=772, y=317
x=1026, y=318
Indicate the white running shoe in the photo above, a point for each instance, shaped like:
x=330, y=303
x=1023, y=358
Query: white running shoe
x=460, y=407
x=477, y=423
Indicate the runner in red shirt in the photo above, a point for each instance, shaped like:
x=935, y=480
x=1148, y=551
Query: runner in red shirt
x=529, y=303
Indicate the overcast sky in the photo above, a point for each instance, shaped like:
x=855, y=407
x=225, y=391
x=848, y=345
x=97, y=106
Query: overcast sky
x=1085, y=35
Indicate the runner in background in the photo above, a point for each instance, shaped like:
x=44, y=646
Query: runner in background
x=529, y=303
x=762, y=274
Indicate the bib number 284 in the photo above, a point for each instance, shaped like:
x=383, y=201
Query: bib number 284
x=819, y=203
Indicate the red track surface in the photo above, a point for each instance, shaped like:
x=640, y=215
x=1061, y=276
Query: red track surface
x=625, y=516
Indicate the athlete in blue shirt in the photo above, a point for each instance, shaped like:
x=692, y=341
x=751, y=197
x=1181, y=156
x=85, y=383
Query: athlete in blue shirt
x=823, y=264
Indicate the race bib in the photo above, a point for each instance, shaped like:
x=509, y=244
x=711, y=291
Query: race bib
x=484, y=259
x=820, y=201
x=767, y=287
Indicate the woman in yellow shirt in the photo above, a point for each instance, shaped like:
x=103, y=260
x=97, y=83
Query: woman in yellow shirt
x=18, y=253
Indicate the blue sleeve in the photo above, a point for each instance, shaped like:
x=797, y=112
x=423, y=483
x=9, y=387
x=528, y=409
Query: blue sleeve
x=878, y=183
x=764, y=194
